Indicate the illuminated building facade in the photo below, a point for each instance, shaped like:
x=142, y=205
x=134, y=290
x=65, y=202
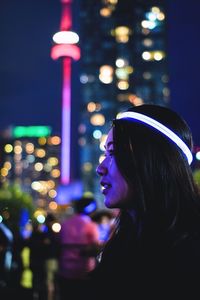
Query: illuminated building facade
x=124, y=62
x=30, y=156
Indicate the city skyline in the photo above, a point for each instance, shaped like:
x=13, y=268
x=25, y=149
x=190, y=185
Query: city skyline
x=31, y=82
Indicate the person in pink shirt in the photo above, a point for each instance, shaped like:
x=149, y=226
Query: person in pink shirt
x=79, y=242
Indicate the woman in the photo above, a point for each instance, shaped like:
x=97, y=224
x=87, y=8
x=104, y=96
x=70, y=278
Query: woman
x=146, y=174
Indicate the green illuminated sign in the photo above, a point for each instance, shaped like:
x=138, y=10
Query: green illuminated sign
x=31, y=131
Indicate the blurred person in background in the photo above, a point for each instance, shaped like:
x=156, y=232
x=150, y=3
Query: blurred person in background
x=146, y=174
x=38, y=254
x=79, y=242
x=6, y=260
x=105, y=221
x=51, y=247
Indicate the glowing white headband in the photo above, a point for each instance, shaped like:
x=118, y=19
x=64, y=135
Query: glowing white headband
x=160, y=127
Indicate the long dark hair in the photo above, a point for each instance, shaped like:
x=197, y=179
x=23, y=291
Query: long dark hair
x=157, y=171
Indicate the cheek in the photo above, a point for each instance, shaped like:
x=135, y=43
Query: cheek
x=119, y=181
x=122, y=187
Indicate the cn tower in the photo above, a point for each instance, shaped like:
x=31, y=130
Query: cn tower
x=65, y=48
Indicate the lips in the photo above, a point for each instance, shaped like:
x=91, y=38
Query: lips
x=105, y=187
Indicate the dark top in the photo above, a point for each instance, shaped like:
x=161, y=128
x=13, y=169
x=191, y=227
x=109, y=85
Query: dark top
x=148, y=266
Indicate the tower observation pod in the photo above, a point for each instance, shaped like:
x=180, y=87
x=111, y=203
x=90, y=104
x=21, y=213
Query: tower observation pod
x=65, y=47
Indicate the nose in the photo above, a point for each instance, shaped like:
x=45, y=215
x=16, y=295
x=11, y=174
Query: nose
x=101, y=169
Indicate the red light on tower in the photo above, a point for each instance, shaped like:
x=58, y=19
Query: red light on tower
x=65, y=47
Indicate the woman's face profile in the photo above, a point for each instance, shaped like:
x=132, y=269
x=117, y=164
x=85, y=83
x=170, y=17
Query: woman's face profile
x=114, y=186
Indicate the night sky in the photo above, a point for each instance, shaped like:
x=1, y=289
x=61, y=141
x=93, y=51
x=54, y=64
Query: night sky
x=31, y=82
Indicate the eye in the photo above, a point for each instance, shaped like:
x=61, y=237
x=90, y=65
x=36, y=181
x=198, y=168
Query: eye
x=109, y=153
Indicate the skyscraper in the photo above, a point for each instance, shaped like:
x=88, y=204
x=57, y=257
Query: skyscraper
x=124, y=62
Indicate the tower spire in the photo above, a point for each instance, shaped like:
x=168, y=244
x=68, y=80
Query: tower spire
x=65, y=47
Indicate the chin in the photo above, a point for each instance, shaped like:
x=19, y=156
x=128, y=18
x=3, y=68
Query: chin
x=110, y=204
x=107, y=203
